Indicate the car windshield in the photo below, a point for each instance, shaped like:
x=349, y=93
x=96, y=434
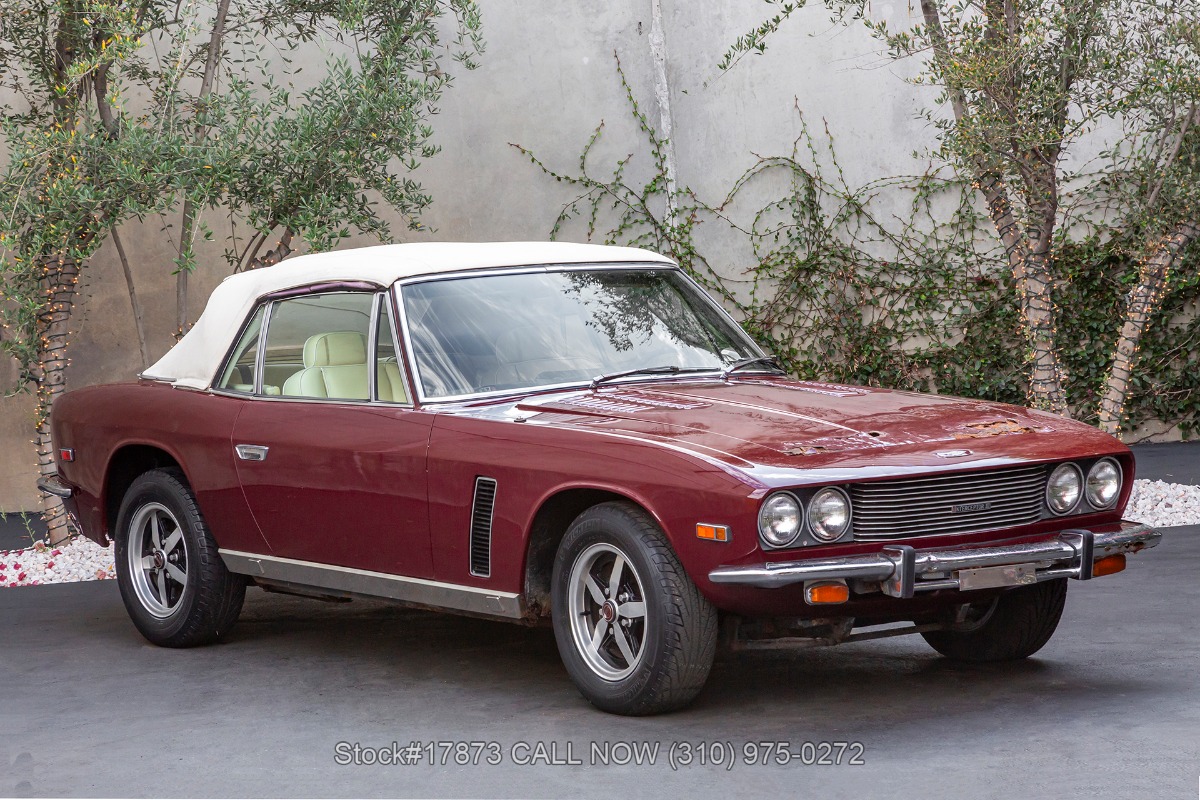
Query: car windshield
x=495, y=333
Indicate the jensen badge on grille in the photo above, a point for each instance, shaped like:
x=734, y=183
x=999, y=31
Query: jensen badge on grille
x=966, y=508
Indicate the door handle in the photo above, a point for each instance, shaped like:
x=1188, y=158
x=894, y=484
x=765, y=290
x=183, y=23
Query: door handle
x=252, y=452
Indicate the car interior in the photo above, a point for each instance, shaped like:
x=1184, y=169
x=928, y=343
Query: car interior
x=317, y=347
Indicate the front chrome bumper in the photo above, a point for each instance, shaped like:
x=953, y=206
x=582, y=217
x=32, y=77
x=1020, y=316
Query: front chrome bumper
x=50, y=484
x=902, y=570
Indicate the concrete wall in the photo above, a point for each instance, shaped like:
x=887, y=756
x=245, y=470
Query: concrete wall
x=547, y=79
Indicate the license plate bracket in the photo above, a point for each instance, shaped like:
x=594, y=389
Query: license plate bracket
x=996, y=577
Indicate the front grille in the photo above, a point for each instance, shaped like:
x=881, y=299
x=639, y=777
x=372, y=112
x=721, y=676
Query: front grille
x=960, y=503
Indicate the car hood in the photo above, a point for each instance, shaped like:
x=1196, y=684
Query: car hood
x=771, y=427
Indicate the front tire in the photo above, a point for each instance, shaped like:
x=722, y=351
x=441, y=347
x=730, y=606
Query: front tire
x=1017, y=626
x=634, y=632
x=173, y=582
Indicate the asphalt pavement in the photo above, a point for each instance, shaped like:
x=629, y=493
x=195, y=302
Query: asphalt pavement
x=1109, y=708
x=18, y=530
x=1173, y=462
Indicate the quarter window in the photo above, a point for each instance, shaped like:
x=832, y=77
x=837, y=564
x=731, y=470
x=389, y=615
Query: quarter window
x=241, y=372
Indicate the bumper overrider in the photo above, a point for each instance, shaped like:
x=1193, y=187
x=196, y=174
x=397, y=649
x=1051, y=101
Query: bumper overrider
x=51, y=484
x=902, y=570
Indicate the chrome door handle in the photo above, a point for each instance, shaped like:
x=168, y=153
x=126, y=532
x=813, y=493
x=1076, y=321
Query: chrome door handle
x=252, y=452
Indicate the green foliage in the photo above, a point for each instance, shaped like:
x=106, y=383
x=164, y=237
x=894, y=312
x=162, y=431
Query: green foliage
x=843, y=288
x=71, y=175
x=222, y=118
x=1021, y=81
x=323, y=160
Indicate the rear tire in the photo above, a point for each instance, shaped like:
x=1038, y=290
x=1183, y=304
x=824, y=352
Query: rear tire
x=1021, y=623
x=172, y=579
x=634, y=632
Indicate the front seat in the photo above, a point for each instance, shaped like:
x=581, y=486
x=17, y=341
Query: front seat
x=335, y=366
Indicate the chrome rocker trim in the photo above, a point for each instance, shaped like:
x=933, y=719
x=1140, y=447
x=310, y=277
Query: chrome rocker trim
x=414, y=591
x=902, y=570
x=50, y=484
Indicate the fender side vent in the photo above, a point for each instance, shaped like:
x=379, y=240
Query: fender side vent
x=481, y=527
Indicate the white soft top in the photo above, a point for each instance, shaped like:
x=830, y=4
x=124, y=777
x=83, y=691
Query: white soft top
x=195, y=360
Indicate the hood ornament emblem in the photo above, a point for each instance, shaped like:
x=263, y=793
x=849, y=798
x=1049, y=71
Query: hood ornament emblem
x=952, y=453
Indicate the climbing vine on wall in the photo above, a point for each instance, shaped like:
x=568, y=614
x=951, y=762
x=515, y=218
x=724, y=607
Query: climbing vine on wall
x=899, y=282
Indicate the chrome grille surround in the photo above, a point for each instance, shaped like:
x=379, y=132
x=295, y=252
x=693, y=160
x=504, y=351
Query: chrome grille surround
x=964, y=502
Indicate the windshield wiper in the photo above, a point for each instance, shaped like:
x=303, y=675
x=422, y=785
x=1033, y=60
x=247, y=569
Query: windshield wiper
x=749, y=362
x=667, y=369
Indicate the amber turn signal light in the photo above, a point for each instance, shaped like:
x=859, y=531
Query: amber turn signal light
x=1109, y=565
x=714, y=533
x=818, y=594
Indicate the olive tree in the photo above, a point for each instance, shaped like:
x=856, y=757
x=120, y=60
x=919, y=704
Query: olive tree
x=1021, y=82
x=319, y=162
x=1153, y=185
x=115, y=111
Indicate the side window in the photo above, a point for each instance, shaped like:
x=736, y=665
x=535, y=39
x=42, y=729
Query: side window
x=317, y=346
x=242, y=368
x=389, y=383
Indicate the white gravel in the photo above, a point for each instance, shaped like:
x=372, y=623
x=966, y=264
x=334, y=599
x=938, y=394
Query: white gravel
x=1163, y=504
x=1156, y=503
x=80, y=559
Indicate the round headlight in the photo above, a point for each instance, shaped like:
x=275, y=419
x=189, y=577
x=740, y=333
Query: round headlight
x=1064, y=488
x=1103, y=483
x=829, y=514
x=779, y=519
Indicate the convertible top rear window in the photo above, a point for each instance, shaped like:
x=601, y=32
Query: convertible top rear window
x=478, y=335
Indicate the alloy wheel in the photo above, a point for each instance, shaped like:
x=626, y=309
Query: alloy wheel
x=608, y=611
x=158, y=559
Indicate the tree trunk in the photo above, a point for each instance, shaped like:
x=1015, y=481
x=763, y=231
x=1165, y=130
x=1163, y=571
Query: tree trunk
x=1031, y=275
x=1029, y=266
x=1144, y=299
x=134, y=303
x=281, y=250
x=1034, y=284
x=60, y=283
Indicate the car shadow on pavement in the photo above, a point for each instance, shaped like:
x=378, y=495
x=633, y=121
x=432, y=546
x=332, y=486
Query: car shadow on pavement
x=874, y=687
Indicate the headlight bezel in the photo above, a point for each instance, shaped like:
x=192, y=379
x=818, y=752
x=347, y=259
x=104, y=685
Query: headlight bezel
x=763, y=526
x=1120, y=485
x=1069, y=466
x=813, y=504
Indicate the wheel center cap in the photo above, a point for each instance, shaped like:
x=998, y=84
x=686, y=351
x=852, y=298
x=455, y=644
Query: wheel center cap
x=608, y=611
x=160, y=560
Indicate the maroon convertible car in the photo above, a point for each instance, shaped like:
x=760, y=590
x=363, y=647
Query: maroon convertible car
x=577, y=435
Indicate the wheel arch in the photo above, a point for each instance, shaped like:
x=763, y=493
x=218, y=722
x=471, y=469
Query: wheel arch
x=124, y=466
x=547, y=528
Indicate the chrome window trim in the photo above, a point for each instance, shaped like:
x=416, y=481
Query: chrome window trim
x=212, y=382
x=260, y=362
x=524, y=269
x=389, y=301
x=630, y=266
x=373, y=351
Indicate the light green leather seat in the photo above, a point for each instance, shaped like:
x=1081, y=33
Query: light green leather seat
x=335, y=367
x=389, y=383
